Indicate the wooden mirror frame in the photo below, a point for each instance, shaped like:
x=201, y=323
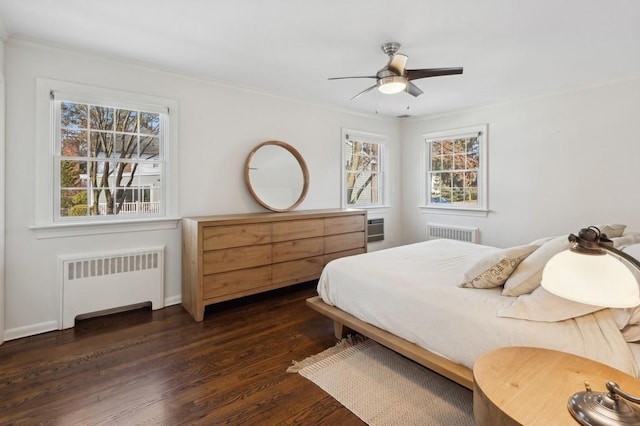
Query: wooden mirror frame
x=301, y=163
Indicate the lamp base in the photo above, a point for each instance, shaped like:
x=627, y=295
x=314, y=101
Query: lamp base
x=600, y=409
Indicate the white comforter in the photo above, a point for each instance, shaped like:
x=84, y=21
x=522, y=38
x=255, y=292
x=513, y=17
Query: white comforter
x=412, y=291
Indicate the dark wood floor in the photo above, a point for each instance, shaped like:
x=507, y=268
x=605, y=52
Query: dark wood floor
x=162, y=367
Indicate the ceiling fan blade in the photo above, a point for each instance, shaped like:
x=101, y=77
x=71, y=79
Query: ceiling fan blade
x=364, y=91
x=360, y=76
x=414, y=90
x=397, y=63
x=432, y=72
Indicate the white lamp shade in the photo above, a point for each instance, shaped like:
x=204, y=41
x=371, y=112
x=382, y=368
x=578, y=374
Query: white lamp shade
x=599, y=280
x=393, y=84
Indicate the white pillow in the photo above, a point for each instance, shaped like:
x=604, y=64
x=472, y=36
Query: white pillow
x=541, y=241
x=628, y=239
x=541, y=305
x=621, y=316
x=612, y=230
x=628, y=321
x=631, y=333
x=528, y=274
x=493, y=270
x=632, y=250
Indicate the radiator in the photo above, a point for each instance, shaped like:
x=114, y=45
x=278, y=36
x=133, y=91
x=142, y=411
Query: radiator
x=104, y=281
x=435, y=231
x=375, y=230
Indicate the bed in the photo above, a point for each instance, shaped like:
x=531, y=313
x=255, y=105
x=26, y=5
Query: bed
x=409, y=299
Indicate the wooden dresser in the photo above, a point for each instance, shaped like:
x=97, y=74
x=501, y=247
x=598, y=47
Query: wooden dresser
x=230, y=256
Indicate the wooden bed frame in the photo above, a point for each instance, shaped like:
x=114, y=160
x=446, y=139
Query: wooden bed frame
x=343, y=322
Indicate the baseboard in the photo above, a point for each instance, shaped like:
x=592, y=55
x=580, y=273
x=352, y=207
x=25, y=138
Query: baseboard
x=30, y=330
x=173, y=300
x=44, y=327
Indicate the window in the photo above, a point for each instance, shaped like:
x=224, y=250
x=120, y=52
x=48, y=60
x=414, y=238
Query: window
x=363, y=169
x=103, y=156
x=110, y=160
x=456, y=169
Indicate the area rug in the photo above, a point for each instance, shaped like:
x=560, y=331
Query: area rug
x=382, y=387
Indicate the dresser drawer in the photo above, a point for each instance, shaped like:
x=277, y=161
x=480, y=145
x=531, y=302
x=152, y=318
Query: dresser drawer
x=297, y=271
x=216, y=261
x=297, y=229
x=234, y=255
x=343, y=242
x=343, y=224
x=226, y=283
x=337, y=255
x=297, y=249
x=218, y=237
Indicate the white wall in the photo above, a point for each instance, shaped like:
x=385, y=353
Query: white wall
x=2, y=180
x=556, y=164
x=219, y=125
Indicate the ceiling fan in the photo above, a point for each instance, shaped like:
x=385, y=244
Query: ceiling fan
x=394, y=78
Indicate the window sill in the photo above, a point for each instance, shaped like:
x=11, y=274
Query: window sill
x=62, y=230
x=454, y=211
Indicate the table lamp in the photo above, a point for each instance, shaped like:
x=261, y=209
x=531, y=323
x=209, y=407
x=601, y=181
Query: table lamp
x=592, y=272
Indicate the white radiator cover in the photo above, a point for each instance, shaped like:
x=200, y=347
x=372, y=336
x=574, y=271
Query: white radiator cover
x=435, y=231
x=102, y=281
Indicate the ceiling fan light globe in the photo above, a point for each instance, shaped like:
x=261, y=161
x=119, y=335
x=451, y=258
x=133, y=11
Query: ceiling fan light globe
x=392, y=84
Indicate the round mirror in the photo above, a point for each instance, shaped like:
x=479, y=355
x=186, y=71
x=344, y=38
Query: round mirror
x=276, y=176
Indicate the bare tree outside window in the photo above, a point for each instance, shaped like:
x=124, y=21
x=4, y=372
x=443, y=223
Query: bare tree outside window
x=363, y=171
x=110, y=160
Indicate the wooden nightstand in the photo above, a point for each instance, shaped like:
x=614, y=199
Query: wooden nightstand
x=531, y=386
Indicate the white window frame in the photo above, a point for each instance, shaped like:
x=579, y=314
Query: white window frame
x=481, y=208
x=382, y=141
x=47, y=223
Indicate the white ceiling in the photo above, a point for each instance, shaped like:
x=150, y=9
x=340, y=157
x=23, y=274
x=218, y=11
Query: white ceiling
x=510, y=49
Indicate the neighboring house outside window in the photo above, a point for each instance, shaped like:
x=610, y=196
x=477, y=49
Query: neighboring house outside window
x=455, y=165
x=104, y=156
x=363, y=168
x=111, y=160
